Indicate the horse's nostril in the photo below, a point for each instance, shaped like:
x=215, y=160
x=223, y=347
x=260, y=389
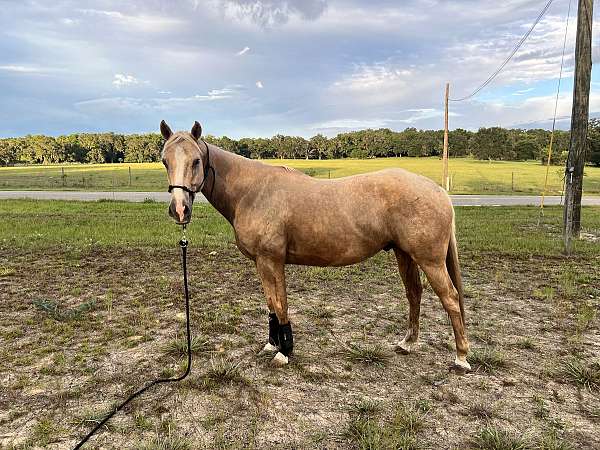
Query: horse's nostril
x=180, y=211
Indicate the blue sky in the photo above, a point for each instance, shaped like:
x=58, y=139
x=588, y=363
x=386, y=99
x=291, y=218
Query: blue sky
x=261, y=67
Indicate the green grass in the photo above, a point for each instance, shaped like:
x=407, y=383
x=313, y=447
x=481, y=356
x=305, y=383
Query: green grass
x=469, y=176
x=223, y=370
x=585, y=376
x=492, y=438
x=366, y=407
x=53, y=309
x=84, y=225
x=178, y=346
x=366, y=353
x=551, y=440
x=487, y=359
x=398, y=430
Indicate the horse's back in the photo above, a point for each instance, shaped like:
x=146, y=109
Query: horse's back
x=390, y=187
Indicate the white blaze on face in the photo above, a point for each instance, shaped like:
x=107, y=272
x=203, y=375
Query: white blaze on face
x=179, y=196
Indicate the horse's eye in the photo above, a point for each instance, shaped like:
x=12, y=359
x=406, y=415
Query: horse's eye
x=196, y=162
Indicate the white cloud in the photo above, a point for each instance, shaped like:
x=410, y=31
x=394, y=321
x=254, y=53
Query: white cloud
x=346, y=17
x=413, y=116
x=523, y=91
x=69, y=21
x=383, y=83
x=375, y=76
x=217, y=94
x=379, y=63
x=23, y=69
x=269, y=13
x=121, y=80
x=421, y=114
x=350, y=124
x=133, y=104
x=538, y=59
x=142, y=22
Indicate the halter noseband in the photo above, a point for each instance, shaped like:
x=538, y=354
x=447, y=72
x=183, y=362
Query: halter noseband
x=207, y=168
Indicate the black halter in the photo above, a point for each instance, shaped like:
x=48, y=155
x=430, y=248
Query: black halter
x=207, y=168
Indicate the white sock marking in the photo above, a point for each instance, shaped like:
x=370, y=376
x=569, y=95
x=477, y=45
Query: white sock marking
x=269, y=348
x=280, y=359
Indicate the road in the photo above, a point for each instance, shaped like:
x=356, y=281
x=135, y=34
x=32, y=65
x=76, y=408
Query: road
x=458, y=200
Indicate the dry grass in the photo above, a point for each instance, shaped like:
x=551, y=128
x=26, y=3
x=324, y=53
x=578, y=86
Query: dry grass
x=535, y=383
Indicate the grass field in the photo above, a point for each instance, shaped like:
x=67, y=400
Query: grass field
x=468, y=176
x=90, y=297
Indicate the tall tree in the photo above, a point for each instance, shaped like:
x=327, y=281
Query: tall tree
x=319, y=145
x=594, y=142
x=492, y=143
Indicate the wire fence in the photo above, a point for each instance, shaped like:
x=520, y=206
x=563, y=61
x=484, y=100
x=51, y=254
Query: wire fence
x=81, y=178
x=478, y=180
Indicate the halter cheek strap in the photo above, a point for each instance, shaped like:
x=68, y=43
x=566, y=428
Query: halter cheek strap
x=207, y=168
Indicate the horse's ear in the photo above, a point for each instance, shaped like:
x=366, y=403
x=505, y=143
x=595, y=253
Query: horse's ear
x=165, y=130
x=196, y=130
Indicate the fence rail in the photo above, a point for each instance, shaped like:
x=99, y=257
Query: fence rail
x=469, y=177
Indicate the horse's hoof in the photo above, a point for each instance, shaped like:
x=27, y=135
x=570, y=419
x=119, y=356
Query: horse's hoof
x=268, y=348
x=403, y=347
x=461, y=366
x=280, y=360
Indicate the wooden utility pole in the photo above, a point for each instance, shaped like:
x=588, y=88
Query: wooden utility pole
x=445, y=180
x=579, y=123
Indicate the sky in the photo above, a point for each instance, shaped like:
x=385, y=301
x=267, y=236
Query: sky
x=251, y=68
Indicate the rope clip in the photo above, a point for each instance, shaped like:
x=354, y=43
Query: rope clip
x=183, y=242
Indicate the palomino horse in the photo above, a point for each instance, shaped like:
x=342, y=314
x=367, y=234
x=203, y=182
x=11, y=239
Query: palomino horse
x=281, y=216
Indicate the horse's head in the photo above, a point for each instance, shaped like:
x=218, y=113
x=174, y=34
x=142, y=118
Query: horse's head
x=184, y=160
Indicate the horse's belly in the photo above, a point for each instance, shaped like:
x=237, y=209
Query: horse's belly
x=332, y=250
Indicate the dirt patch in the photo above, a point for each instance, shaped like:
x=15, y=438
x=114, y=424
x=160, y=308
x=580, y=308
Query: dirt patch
x=532, y=323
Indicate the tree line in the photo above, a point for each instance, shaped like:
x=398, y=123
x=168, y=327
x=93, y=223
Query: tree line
x=487, y=143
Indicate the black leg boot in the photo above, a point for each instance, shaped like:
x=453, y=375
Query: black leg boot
x=286, y=339
x=273, y=330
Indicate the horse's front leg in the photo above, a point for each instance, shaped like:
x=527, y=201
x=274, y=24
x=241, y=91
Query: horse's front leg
x=272, y=276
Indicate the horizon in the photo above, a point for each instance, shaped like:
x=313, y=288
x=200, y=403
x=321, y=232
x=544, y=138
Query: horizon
x=206, y=135
x=260, y=68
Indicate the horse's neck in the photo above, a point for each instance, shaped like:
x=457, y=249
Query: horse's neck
x=225, y=184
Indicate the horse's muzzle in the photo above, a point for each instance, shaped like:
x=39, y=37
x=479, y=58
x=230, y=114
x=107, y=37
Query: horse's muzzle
x=180, y=211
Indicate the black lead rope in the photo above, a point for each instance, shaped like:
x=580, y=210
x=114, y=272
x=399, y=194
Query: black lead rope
x=183, y=243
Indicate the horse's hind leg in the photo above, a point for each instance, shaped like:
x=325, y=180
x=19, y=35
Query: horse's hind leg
x=272, y=277
x=440, y=281
x=409, y=271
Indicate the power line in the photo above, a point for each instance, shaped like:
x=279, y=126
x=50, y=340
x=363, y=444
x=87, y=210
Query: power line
x=506, y=61
x=562, y=62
